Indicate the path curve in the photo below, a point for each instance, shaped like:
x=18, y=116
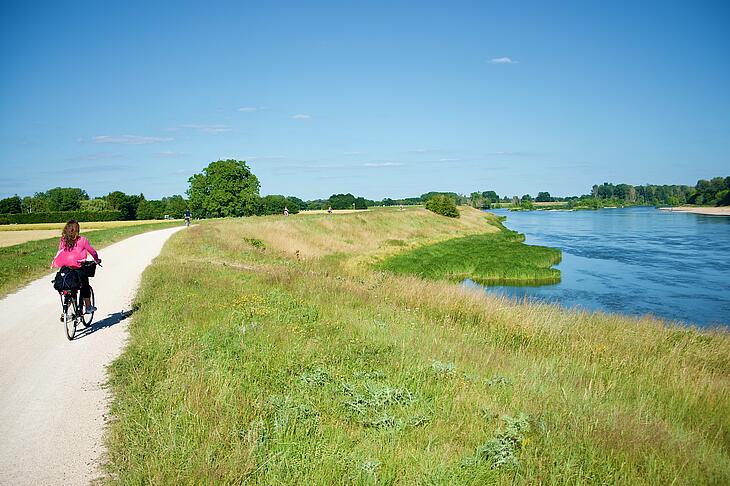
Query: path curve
x=52, y=405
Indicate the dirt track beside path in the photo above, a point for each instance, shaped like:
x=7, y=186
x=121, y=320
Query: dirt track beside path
x=52, y=405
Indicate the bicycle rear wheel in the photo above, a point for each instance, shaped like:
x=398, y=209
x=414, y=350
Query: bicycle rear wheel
x=87, y=318
x=69, y=317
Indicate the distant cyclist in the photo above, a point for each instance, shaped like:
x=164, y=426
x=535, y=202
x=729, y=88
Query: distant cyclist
x=187, y=217
x=72, y=252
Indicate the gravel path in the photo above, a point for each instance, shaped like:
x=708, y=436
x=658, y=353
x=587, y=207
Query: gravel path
x=53, y=408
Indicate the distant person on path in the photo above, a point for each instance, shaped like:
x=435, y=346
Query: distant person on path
x=72, y=252
x=286, y=211
x=187, y=217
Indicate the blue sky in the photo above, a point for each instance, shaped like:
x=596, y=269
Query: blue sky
x=385, y=99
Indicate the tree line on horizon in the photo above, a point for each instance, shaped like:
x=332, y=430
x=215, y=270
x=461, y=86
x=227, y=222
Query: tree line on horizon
x=229, y=188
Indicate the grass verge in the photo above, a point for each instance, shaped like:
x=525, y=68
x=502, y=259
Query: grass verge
x=20, y=264
x=249, y=365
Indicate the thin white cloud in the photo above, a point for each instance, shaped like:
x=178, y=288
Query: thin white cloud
x=251, y=109
x=426, y=151
x=129, y=139
x=168, y=154
x=209, y=128
x=383, y=164
x=503, y=60
x=351, y=153
x=98, y=156
x=301, y=116
x=449, y=159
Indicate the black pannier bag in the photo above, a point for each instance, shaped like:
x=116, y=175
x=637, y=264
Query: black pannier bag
x=67, y=279
x=88, y=269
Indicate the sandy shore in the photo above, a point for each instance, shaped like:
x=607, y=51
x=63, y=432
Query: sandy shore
x=710, y=211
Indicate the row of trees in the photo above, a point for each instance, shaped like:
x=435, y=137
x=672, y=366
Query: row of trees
x=713, y=192
x=229, y=188
x=64, y=199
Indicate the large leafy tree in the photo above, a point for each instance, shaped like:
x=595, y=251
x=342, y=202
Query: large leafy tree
x=175, y=206
x=224, y=188
x=150, y=209
x=65, y=198
x=491, y=196
x=10, y=205
x=127, y=204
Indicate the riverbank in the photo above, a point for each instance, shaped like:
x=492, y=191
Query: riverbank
x=268, y=350
x=708, y=211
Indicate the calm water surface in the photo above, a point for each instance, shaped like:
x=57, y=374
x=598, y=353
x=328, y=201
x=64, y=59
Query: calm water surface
x=633, y=261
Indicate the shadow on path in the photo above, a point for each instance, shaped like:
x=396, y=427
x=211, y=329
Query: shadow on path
x=108, y=321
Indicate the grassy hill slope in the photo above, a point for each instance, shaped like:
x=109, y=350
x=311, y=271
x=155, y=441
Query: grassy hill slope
x=249, y=364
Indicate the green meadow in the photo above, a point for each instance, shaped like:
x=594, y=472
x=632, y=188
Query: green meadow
x=23, y=263
x=274, y=350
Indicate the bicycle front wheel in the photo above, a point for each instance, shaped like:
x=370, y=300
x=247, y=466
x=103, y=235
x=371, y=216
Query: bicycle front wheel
x=87, y=318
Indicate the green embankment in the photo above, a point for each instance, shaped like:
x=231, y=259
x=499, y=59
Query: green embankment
x=249, y=365
x=20, y=264
x=490, y=259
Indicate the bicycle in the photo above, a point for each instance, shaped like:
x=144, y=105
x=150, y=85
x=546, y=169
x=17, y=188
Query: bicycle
x=72, y=305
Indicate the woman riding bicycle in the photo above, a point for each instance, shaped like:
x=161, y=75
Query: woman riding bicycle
x=72, y=252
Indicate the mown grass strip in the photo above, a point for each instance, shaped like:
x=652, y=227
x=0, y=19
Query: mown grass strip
x=20, y=264
x=490, y=259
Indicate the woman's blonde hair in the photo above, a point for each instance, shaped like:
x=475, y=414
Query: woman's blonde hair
x=70, y=234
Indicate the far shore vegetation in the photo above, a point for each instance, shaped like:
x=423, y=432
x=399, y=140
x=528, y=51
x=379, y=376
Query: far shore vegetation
x=272, y=350
x=233, y=177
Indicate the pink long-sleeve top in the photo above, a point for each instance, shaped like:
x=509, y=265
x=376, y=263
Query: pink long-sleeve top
x=76, y=255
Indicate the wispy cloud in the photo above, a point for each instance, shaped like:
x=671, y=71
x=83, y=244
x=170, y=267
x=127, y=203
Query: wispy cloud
x=208, y=128
x=449, y=159
x=503, y=60
x=129, y=139
x=98, y=156
x=426, y=151
x=251, y=109
x=383, y=164
x=168, y=154
x=301, y=116
x=352, y=153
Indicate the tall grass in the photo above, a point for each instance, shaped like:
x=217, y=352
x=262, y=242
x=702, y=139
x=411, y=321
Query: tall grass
x=488, y=259
x=248, y=365
x=20, y=264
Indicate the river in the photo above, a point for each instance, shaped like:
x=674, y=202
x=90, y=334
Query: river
x=633, y=261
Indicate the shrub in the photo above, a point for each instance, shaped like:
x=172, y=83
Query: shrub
x=443, y=205
x=59, y=217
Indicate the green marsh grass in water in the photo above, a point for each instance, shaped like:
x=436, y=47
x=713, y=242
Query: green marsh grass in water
x=489, y=259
